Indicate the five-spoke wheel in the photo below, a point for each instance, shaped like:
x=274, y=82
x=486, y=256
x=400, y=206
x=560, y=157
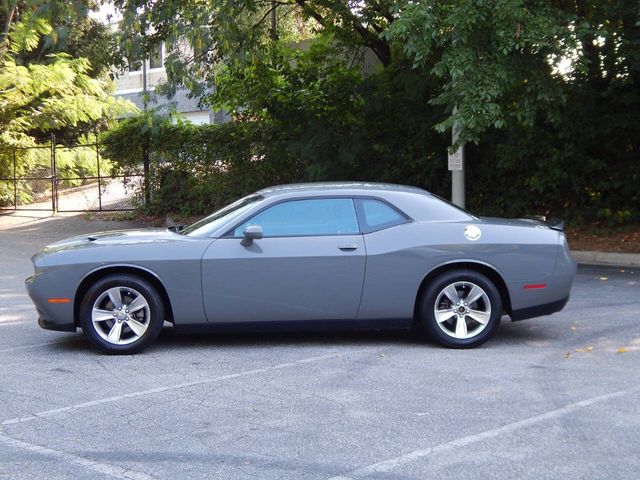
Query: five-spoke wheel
x=461, y=308
x=121, y=314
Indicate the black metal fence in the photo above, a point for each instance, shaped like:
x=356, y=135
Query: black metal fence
x=64, y=179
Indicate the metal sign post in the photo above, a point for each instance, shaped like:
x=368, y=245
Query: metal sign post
x=456, y=166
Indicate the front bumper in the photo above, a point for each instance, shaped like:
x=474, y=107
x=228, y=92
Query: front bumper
x=52, y=316
x=58, y=327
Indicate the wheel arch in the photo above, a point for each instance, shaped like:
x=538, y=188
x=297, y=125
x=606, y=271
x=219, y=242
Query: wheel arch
x=487, y=270
x=136, y=270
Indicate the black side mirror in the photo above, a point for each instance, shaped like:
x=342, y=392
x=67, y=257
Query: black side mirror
x=251, y=233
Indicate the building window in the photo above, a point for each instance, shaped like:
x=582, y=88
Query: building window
x=135, y=65
x=156, y=56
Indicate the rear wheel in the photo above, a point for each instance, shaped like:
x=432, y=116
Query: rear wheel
x=121, y=314
x=461, y=309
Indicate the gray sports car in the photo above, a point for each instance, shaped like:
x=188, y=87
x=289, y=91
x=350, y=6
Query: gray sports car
x=310, y=256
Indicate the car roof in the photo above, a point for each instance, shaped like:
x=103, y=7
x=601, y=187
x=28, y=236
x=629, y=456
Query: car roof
x=343, y=188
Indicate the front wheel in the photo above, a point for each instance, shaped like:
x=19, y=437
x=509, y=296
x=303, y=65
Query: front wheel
x=461, y=309
x=121, y=314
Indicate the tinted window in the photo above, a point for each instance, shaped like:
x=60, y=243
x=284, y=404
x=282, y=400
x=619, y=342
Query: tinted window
x=222, y=216
x=378, y=215
x=327, y=216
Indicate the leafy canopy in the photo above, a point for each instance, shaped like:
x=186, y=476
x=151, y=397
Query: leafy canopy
x=47, y=94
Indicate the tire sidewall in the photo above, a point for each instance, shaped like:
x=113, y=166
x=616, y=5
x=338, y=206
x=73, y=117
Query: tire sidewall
x=427, y=316
x=149, y=293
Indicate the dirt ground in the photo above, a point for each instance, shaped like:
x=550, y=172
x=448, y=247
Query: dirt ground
x=598, y=239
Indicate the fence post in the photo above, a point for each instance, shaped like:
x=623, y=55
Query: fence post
x=15, y=181
x=99, y=175
x=54, y=175
x=147, y=183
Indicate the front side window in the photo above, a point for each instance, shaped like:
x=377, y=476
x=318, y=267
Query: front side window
x=377, y=215
x=325, y=216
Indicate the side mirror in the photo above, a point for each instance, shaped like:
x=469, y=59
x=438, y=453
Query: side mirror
x=251, y=233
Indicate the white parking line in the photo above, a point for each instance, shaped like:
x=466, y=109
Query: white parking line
x=70, y=458
x=393, y=463
x=24, y=306
x=101, y=401
x=26, y=347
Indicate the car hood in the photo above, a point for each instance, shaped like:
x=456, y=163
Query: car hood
x=114, y=237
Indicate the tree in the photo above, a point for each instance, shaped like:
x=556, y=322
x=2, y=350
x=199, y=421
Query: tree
x=203, y=37
x=546, y=91
x=43, y=89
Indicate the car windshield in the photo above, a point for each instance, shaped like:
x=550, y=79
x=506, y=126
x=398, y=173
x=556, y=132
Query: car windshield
x=222, y=216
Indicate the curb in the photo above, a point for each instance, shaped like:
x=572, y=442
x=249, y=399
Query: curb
x=607, y=258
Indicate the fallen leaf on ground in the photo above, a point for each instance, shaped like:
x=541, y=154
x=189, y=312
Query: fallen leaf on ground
x=584, y=350
x=567, y=355
x=622, y=350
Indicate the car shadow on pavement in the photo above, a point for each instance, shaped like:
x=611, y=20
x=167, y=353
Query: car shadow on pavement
x=171, y=339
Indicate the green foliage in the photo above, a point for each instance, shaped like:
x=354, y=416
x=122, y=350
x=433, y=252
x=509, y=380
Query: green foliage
x=376, y=128
x=43, y=92
x=584, y=167
x=546, y=94
x=37, y=98
x=494, y=58
x=195, y=169
x=73, y=166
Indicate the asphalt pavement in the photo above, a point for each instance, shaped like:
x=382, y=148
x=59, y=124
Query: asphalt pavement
x=553, y=397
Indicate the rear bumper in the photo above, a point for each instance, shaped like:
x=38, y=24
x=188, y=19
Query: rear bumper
x=539, y=310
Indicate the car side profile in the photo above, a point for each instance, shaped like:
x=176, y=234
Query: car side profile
x=307, y=256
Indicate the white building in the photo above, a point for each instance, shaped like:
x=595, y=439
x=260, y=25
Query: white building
x=130, y=85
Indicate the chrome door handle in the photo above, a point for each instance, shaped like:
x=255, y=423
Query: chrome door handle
x=348, y=248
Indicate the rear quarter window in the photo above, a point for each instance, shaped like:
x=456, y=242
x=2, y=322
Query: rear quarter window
x=377, y=215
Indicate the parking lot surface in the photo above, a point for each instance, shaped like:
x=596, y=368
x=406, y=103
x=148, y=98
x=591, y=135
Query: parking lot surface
x=554, y=397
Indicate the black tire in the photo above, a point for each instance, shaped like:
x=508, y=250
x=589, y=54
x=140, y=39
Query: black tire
x=447, y=332
x=130, y=287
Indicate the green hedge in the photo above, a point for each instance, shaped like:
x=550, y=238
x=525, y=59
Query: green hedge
x=196, y=169
x=580, y=163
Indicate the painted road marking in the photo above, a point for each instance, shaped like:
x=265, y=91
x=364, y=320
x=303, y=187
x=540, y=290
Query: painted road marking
x=25, y=347
x=69, y=458
x=4, y=324
x=393, y=463
x=151, y=391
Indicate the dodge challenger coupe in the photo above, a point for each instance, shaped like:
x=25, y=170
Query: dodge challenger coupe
x=309, y=256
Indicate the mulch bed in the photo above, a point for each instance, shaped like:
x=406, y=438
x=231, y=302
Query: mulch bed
x=600, y=239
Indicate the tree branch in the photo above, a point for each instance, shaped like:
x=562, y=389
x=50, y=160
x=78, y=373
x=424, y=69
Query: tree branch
x=4, y=43
x=369, y=39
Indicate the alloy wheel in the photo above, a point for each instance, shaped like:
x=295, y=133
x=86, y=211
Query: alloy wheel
x=462, y=310
x=121, y=315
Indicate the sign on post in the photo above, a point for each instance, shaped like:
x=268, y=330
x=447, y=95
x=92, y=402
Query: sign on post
x=455, y=160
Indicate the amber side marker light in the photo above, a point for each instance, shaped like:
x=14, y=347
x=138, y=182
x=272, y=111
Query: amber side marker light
x=58, y=300
x=535, y=286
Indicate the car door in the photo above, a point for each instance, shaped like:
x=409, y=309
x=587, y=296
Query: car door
x=309, y=265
